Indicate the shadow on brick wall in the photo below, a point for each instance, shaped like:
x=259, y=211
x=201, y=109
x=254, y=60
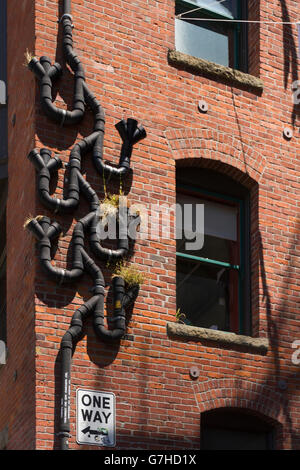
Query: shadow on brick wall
x=290, y=54
x=274, y=327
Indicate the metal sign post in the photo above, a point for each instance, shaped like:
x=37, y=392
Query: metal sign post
x=95, y=418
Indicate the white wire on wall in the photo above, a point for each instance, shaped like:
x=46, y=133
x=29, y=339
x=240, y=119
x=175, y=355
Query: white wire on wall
x=214, y=2
x=221, y=20
x=241, y=21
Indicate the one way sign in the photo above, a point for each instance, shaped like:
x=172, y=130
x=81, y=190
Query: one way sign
x=95, y=418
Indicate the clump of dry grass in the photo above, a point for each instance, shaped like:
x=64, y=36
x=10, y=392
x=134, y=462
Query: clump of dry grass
x=30, y=218
x=180, y=316
x=28, y=57
x=110, y=205
x=130, y=273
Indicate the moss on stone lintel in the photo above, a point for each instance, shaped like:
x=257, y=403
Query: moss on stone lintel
x=195, y=333
x=215, y=71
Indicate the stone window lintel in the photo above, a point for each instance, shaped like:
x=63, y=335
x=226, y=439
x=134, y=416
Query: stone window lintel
x=195, y=333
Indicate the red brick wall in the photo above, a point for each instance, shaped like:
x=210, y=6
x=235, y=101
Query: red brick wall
x=123, y=47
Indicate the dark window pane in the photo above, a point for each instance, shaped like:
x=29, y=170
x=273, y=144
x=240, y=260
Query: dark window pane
x=233, y=429
x=220, y=229
x=226, y=439
x=203, y=294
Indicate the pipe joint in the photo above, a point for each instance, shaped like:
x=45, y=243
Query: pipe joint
x=55, y=163
x=66, y=16
x=55, y=71
x=76, y=322
x=54, y=230
x=98, y=289
x=35, y=158
x=66, y=344
x=36, y=67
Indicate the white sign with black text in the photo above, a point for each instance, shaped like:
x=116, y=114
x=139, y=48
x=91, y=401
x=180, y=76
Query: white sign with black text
x=95, y=418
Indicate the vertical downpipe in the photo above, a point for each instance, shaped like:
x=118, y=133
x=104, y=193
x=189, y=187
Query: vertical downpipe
x=66, y=353
x=67, y=7
x=65, y=395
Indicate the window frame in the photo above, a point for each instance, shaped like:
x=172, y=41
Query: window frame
x=239, y=51
x=244, y=310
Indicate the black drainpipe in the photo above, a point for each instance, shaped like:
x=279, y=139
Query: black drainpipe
x=46, y=231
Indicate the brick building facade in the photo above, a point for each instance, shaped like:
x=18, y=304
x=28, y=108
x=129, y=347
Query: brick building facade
x=166, y=375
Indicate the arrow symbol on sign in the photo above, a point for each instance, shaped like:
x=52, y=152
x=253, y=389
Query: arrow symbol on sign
x=90, y=431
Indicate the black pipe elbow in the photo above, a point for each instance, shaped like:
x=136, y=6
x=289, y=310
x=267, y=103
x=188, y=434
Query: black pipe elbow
x=55, y=114
x=73, y=275
x=66, y=206
x=35, y=158
x=55, y=274
x=36, y=67
x=119, y=314
x=51, y=230
x=116, y=255
x=54, y=230
x=36, y=229
x=55, y=163
x=55, y=71
x=102, y=332
x=108, y=170
x=109, y=335
x=130, y=131
x=42, y=159
x=60, y=275
x=45, y=63
x=139, y=134
x=131, y=295
x=75, y=116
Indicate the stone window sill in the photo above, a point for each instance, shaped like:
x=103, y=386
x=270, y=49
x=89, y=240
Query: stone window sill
x=216, y=72
x=222, y=338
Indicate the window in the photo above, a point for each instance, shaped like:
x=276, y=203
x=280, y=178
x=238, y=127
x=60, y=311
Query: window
x=224, y=43
x=231, y=429
x=213, y=280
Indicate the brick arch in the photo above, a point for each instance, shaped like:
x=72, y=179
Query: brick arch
x=243, y=394
x=210, y=145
